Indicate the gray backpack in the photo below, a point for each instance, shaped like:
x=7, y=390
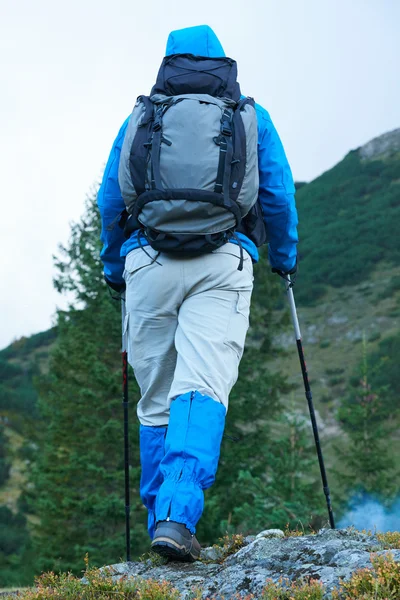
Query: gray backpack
x=188, y=169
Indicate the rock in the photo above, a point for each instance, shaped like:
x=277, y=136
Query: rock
x=213, y=553
x=337, y=320
x=327, y=556
x=248, y=539
x=271, y=533
x=382, y=146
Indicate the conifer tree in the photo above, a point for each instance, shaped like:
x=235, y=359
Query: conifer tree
x=288, y=491
x=78, y=475
x=368, y=421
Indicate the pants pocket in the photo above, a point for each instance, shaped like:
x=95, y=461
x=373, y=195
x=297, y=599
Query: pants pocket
x=139, y=259
x=238, y=323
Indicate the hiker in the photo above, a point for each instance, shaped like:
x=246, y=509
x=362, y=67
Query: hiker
x=188, y=166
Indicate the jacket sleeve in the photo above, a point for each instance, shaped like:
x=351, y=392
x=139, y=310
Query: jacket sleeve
x=276, y=195
x=111, y=205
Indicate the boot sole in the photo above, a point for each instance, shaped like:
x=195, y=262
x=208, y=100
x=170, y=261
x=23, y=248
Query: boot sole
x=168, y=548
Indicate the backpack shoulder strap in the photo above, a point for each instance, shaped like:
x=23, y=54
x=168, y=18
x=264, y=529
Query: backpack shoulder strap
x=239, y=150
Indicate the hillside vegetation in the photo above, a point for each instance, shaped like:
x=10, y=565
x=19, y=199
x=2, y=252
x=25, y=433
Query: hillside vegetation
x=348, y=288
x=20, y=362
x=349, y=223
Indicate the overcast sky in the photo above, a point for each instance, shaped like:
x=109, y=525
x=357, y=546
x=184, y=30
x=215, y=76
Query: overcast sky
x=326, y=70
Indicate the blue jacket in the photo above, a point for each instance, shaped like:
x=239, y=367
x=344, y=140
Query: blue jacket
x=276, y=181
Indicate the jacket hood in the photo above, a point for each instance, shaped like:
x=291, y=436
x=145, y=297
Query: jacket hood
x=199, y=40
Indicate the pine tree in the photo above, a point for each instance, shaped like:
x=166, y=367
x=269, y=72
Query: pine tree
x=78, y=475
x=368, y=421
x=288, y=491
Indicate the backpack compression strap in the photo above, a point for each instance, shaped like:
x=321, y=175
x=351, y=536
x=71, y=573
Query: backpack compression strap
x=224, y=141
x=156, y=141
x=140, y=148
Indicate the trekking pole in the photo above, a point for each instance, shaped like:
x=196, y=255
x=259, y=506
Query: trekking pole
x=289, y=289
x=126, y=423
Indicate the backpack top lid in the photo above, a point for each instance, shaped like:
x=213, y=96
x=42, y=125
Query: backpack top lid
x=195, y=63
x=190, y=74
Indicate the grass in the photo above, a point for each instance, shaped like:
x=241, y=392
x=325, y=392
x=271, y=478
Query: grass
x=155, y=559
x=227, y=545
x=230, y=544
x=298, y=532
x=284, y=590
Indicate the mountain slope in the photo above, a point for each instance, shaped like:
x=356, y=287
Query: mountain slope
x=348, y=287
x=20, y=363
x=349, y=218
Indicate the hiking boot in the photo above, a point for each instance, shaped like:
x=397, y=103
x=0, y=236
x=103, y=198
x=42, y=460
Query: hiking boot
x=174, y=541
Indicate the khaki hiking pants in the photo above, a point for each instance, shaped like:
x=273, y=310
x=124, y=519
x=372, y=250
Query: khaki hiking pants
x=187, y=320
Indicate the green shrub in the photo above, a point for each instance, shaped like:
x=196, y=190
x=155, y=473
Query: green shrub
x=376, y=335
x=335, y=381
x=325, y=398
x=390, y=539
x=391, y=288
x=229, y=544
x=284, y=590
x=334, y=371
x=100, y=586
x=309, y=296
x=382, y=582
x=324, y=344
x=297, y=531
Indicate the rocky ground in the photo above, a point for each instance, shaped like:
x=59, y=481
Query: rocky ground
x=327, y=556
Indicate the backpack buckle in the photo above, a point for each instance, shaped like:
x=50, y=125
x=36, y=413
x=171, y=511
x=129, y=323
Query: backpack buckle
x=226, y=128
x=157, y=125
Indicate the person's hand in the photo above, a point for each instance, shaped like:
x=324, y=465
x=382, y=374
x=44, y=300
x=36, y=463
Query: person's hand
x=284, y=274
x=117, y=287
